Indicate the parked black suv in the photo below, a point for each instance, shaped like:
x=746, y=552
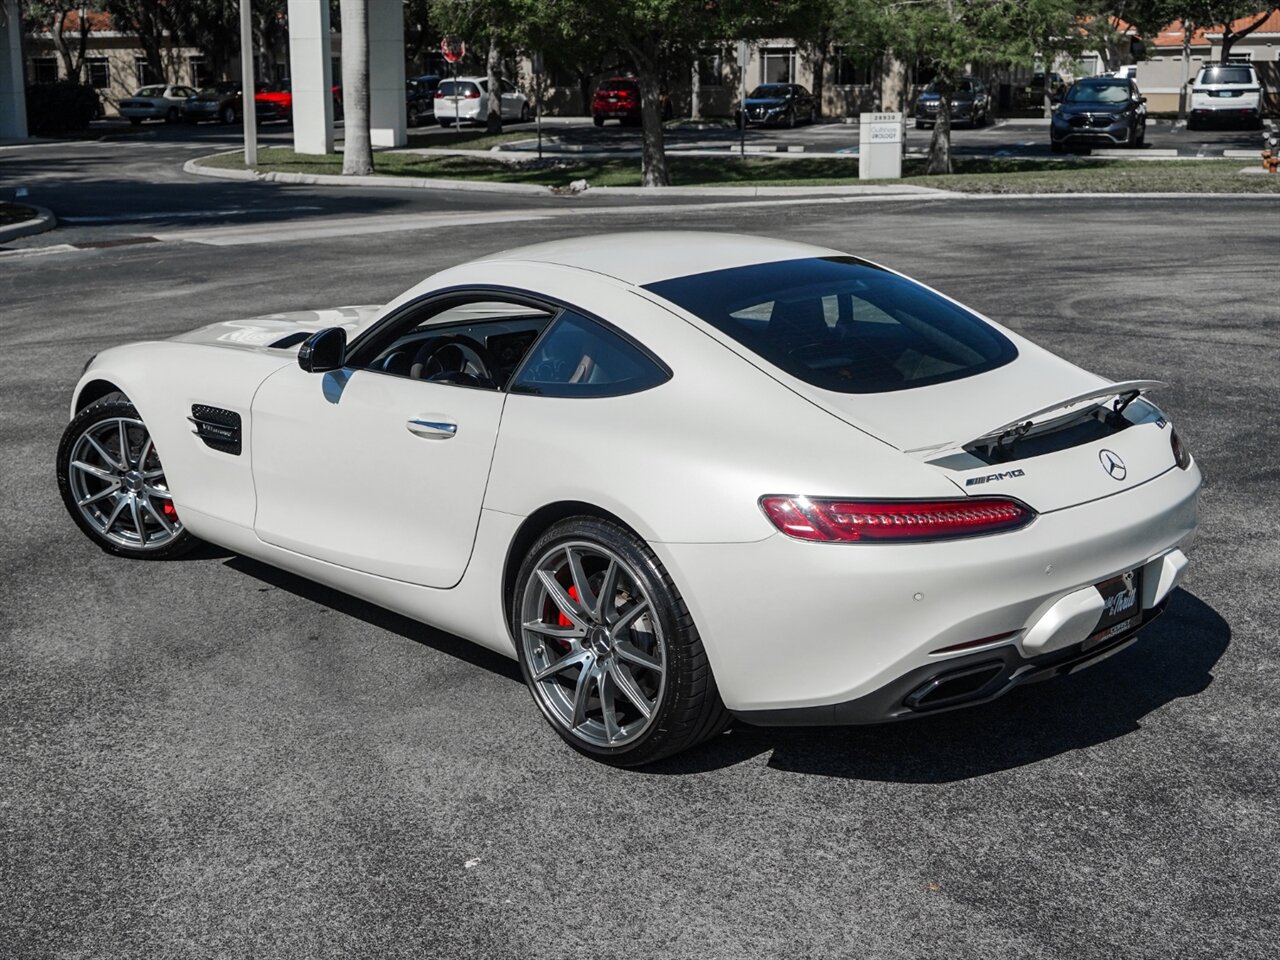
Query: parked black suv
x=1099, y=112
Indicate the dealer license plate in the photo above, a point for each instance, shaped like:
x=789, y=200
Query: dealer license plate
x=1122, y=606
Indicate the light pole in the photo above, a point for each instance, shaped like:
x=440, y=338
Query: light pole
x=248, y=107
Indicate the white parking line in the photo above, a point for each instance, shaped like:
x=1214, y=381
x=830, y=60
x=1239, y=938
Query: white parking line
x=179, y=215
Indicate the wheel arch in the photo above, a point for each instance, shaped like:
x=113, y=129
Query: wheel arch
x=538, y=523
x=93, y=391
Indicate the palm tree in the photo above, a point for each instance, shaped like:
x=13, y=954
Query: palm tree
x=357, y=153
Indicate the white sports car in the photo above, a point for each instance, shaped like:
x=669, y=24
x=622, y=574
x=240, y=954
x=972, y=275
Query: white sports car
x=681, y=477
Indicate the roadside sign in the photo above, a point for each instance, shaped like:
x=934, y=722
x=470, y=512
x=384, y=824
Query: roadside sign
x=883, y=127
x=744, y=54
x=453, y=50
x=880, y=141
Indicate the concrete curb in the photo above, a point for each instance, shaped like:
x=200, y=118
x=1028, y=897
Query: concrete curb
x=42, y=221
x=196, y=168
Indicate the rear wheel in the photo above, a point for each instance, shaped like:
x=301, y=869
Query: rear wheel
x=608, y=648
x=113, y=484
x=524, y=113
x=228, y=114
x=136, y=121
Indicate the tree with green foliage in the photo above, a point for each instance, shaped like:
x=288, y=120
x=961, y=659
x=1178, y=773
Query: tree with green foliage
x=1208, y=14
x=53, y=17
x=149, y=21
x=954, y=37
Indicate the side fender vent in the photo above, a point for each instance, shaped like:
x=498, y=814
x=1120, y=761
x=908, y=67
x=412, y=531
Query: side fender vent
x=218, y=428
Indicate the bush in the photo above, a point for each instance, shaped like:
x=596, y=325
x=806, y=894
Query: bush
x=60, y=108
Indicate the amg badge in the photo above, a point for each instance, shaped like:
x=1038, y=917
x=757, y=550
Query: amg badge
x=993, y=477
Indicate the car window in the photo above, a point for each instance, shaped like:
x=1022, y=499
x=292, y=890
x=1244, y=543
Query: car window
x=841, y=324
x=1226, y=75
x=768, y=91
x=581, y=358
x=459, y=88
x=1117, y=92
x=469, y=342
x=150, y=92
x=508, y=86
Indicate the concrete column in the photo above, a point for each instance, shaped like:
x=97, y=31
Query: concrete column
x=311, y=72
x=13, y=94
x=387, y=124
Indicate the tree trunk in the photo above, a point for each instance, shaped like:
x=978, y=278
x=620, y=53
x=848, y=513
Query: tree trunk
x=819, y=70
x=1229, y=38
x=357, y=153
x=653, y=160
x=940, y=142
x=695, y=90
x=57, y=28
x=493, y=116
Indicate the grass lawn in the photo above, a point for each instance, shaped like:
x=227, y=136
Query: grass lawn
x=469, y=138
x=979, y=175
x=11, y=213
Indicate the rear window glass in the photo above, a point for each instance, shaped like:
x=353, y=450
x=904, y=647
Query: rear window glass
x=150, y=92
x=616, y=87
x=1226, y=75
x=841, y=324
x=459, y=88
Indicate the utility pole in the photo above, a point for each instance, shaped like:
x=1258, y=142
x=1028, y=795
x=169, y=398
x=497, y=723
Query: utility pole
x=248, y=106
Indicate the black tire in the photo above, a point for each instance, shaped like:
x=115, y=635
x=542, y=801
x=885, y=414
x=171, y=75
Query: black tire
x=111, y=407
x=1055, y=147
x=228, y=114
x=789, y=119
x=688, y=707
x=598, y=121
x=524, y=113
x=136, y=121
x=445, y=123
x=1141, y=140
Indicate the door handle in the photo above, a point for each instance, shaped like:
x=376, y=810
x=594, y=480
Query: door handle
x=432, y=427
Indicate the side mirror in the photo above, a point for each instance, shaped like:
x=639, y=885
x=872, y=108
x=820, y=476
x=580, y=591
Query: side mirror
x=1142, y=99
x=323, y=351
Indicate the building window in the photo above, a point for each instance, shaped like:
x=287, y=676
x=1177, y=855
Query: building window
x=711, y=69
x=98, y=72
x=44, y=69
x=854, y=67
x=145, y=75
x=200, y=72
x=779, y=64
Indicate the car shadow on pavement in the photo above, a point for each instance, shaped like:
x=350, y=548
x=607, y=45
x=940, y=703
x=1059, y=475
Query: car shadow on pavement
x=1173, y=659
x=379, y=617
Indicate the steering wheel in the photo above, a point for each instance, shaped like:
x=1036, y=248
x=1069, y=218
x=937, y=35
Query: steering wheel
x=454, y=358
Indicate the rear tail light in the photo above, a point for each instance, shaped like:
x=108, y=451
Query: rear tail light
x=1180, y=454
x=472, y=95
x=439, y=94
x=895, y=521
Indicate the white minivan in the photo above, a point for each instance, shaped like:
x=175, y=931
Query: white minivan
x=466, y=100
x=1224, y=92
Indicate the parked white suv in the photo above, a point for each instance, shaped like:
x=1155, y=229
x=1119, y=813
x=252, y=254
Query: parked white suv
x=466, y=100
x=1224, y=92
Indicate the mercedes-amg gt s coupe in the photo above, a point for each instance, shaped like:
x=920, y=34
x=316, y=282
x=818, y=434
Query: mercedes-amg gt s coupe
x=680, y=477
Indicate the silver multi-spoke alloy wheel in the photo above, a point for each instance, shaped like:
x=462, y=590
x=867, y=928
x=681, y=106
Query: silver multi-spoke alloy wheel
x=593, y=644
x=118, y=485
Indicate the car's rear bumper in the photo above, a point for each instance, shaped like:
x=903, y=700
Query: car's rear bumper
x=789, y=624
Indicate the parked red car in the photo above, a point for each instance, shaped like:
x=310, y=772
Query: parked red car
x=278, y=98
x=619, y=99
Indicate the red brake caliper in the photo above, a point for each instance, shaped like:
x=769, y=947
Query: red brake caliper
x=564, y=621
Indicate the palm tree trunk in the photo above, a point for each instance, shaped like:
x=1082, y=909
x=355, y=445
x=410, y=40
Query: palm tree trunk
x=940, y=142
x=493, y=117
x=357, y=153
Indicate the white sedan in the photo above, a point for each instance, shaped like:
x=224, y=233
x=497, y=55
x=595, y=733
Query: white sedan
x=158, y=102
x=466, y=100
x=680, y=477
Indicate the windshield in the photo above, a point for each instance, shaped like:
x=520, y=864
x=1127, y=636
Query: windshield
x=769, y=91
x=841, y=324
x=222, y=88
x=458, y=88
x=961, y=86
x=1226, y=75
x=1098, y=93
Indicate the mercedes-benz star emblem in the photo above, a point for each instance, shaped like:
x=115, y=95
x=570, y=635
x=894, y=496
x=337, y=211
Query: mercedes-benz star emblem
x=1113, y=465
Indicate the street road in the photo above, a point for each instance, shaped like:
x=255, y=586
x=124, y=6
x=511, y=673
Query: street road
x=212, y=758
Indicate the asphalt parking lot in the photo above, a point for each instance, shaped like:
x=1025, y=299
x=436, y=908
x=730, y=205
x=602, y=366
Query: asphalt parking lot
x=210, y=758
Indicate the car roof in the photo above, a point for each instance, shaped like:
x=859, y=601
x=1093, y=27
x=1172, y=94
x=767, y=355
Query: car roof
x=650, y=256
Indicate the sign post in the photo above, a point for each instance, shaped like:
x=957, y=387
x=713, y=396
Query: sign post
x=248, y=93
x=744, y=60
x=453, y=50
x=880, y=140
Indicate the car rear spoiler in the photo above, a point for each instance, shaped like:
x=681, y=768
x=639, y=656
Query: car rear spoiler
x=1124, y=393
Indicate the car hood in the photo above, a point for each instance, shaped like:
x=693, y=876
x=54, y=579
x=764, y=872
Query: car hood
x=259, y=333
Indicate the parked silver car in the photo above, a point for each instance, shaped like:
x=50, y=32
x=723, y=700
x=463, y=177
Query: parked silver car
x=157, y=102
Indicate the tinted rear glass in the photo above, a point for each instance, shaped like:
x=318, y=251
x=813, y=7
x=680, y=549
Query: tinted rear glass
x=1241, y=75
x=460, y=88
x=841, y=324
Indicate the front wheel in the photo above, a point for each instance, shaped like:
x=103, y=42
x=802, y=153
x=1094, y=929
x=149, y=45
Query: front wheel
x=114, y=487
x=524, y=113
x=228, y=114
x=608, y=648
